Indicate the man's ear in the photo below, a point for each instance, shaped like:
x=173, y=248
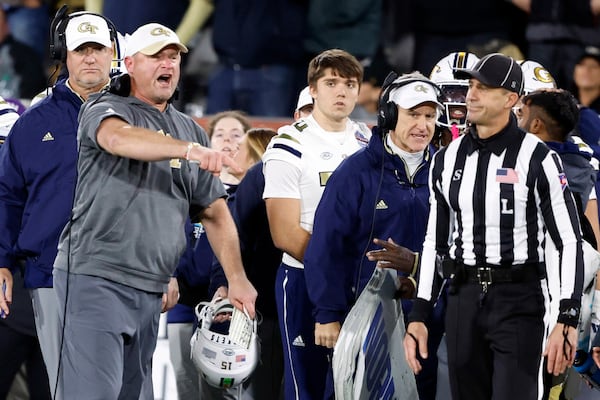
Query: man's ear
x=128, y=61
x=536, y=125
x=511, y=99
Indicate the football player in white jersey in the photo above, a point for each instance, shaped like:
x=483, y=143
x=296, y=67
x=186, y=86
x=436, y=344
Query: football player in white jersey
x=297, y=164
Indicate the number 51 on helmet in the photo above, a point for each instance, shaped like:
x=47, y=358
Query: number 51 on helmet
x=222, y=362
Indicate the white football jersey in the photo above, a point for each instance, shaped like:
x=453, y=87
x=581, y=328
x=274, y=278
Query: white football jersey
x=301, y=158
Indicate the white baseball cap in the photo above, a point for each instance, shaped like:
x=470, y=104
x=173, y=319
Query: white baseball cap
x=304, y=99
x=413, y=94
x=151, y=38
x=86, y=28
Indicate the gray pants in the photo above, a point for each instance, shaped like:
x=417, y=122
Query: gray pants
x=109, y=337
x=187, y=377
x=48, y=325
x=190, y=384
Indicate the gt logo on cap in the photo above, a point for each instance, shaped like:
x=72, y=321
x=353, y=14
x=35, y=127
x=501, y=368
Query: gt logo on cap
x=87, y=27
x=160, y=31
x=421, y=88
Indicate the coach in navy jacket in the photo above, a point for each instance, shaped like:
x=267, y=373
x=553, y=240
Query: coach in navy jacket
x=38, y=174
x=356, y=192
x=380, y=192
x=38, y=168
x=45, y=174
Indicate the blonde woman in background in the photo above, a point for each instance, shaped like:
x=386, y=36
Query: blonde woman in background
x=261, y=260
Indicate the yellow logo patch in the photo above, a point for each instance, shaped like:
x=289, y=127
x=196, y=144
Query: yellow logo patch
x=160, y=31
x=542, y=75
x=87, y=27
x=324, y=177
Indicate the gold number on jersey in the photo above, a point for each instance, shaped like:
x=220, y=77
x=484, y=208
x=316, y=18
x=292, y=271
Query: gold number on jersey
x=300, y=125
x=324, y=177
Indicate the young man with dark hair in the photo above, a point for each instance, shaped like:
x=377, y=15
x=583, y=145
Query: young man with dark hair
x=297, y=165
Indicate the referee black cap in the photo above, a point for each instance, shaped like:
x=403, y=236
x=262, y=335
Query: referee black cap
x=495, y=70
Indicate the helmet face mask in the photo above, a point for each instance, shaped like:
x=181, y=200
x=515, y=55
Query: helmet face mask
x=221, y=362
x=455, y=106
x=454, y=91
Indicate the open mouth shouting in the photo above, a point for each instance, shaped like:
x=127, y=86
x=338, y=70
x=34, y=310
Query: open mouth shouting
x=165, y=79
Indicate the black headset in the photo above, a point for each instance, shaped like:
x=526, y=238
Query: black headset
x=120, y=85
x=58, y=43
x=387, y=114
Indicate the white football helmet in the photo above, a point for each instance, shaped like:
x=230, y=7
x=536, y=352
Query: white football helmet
x=222, y=363
x=118, y=66
x=454, y=91
x=8, y=117
x=535, y=77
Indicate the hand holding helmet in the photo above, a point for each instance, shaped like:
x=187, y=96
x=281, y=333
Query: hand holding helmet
x=221, y=362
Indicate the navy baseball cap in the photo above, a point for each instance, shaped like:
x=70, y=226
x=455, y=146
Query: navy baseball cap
x=495, y=70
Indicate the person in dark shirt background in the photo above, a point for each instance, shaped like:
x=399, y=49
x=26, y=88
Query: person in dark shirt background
x=21, y=69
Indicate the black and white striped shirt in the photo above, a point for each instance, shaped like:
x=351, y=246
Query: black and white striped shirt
x=492, y=201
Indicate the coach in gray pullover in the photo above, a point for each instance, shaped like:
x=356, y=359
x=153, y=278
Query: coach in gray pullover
x=143, y=168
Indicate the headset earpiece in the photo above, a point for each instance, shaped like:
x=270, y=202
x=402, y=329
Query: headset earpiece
x=58, y=42
x=385, y=113
x=57, y=34
x=387, y=116
x=120, y=85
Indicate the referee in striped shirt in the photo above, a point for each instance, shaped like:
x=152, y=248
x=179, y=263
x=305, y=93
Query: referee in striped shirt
x=494, y=193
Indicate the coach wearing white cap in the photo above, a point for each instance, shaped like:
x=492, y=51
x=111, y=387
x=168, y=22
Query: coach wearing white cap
x=374, y=211
x=39, y=167
x=144, y=167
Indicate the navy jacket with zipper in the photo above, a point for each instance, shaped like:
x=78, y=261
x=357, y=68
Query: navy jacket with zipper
x=38, y=169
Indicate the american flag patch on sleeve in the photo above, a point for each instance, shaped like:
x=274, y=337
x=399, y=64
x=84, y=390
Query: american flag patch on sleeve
x=506, y=175
x=563, y=180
